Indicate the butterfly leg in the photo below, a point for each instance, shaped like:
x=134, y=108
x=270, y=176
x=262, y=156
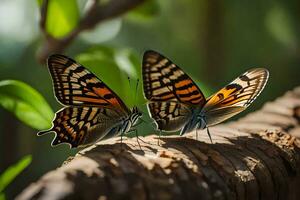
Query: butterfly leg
x=135, y=130
x=208, y=133
x=158, y=141
x=137, y=139
x=141, y=139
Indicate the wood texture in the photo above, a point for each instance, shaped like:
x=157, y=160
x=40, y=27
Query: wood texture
x=256, y=157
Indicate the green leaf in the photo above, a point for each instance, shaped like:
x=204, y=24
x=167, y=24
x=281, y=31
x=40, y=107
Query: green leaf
x=62, y=17
x=25, y=103
x=10, y=174
x=145, y=11
x=126, y=61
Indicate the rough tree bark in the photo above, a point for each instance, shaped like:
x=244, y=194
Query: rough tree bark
x=256, y=157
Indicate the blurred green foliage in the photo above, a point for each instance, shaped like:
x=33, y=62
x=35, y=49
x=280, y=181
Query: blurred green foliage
x=25, y=103
x=62, y=17
x=11, y=173
x=280, y=26
x=146, y=11
x=263, y=35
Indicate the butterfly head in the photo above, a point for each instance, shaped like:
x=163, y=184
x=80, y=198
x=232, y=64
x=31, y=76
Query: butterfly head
x=136, y=111
x=135, y=115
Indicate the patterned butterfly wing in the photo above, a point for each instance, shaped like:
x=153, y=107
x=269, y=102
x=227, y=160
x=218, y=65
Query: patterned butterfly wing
x=76, y=86
x=236, y=96
x=165, y=81
x=80, y=126
x=170, y=91
x=169, y=116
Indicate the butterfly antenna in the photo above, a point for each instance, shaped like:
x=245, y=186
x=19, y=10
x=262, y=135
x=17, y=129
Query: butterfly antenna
x=136, y=89
x=158, y=141
x=129, y=83
x=128, y=78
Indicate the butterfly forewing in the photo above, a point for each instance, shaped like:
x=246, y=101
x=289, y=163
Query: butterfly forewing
x=236, y=96
x=76, y=86
x=164, y=81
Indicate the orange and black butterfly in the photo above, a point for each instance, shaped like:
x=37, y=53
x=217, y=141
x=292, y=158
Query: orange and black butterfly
x=176, y=103
x=92, y=111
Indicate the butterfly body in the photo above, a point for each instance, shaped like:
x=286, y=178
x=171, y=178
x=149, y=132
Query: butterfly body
x=125, y=125
x=92, y=111
x=176, y=103
x=197, y=121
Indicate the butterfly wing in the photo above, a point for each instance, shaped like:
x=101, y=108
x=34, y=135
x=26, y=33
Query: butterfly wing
x=236, y=96
x=93, y=109
x=170, y=91
x=165, y=81
x=74, y=85
x=80, y=126
x=169, y=116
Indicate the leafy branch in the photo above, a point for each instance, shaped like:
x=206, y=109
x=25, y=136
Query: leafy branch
x=98, y=12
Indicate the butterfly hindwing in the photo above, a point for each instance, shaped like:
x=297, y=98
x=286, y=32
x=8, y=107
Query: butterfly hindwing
x=74, y=85
x=169, y=116
x=236, y=96
x=79, y=126
x=165, y=81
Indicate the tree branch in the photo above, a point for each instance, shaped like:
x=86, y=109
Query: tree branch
x=98, y=13
x=252, y=158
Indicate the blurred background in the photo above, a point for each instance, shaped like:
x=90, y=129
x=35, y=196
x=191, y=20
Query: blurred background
x=212, y=40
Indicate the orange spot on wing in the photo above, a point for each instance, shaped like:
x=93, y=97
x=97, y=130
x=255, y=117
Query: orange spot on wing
x=91, y=94
x=89, y=100
x=101, y=91
x=227, y=92
x=183, y=83
x=168, y=96
x=189, y=90
x=224, y=93
x=188, y=98
x=104, y=91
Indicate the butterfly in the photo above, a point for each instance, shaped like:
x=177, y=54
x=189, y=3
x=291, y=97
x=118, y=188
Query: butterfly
x=92, y=111
x=176, y=103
